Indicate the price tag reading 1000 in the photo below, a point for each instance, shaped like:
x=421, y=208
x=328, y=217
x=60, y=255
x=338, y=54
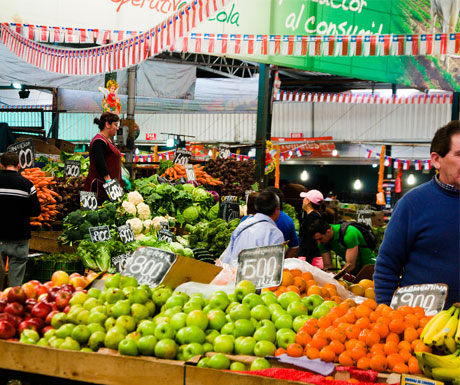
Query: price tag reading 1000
x=430, y=296
x=25, y=151
x=88, y=200
x=263, y=266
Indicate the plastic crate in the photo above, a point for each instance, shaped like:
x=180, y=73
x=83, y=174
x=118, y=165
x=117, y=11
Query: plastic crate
x=42, y=271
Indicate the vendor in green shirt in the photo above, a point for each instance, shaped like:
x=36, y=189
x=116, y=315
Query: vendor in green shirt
x=353, y=249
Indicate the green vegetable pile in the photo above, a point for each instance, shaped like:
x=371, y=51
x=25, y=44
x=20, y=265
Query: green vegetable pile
x=379, y=232
x=212, y=236
x=290, y=211
x=152, y=241
x=57, y=168
x=97, y=256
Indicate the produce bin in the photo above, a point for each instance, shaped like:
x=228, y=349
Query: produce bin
x=43, y=270
x=47, y=242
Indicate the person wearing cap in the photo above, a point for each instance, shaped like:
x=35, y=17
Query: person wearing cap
x=352, y=247
x=287, y=227
x=311, y=204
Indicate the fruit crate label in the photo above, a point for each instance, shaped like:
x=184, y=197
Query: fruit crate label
x=429, y=296
x=126, y=233
x=190, y=171
x=119, y=262
x=364, y=216
x=263, y=266
x=72, y=168
x=88, y=200
x=182, y=157
x=100, y=233
x=149, y=265
x=114, y=190
x=229, y=208
x=25, y=151
x=224, y=151
x=165, y=235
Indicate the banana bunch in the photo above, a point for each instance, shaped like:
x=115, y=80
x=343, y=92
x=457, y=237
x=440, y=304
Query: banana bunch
x=443, y=330
x=441, y=368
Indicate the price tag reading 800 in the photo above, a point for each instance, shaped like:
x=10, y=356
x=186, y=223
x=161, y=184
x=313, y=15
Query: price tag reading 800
x=88, y=200
x=263, y=266
x=100, y=233
x=430, y=297
x=25, y=151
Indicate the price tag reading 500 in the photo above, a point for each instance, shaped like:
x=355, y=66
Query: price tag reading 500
x=72, y=168
x=100, y=233
x=263, y=266
x=114, y=190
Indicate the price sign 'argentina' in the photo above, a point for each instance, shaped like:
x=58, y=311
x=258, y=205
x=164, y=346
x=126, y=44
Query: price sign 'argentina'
x=149, y=265
x=430, y=296
x=72, y=168
x=88, y=200
x=100, y=233
x=114, y=190
x=263, y=266
x=229, y=208
x=25, y=151
x=182, y=156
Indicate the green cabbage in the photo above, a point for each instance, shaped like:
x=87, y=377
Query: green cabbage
x=191, y=214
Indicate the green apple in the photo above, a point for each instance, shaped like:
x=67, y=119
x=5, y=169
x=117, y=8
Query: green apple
x=86, y=350
x=151, y=307
x=94, y=293
x=216, y=319
x=55, y=342
x=237, y=366
x=138, y=295
x=112, y=338
x=260, y=312
x=127, y=322
x=207, y=347
x=320, y=311
x=275, y=308
x=96, y=327
x=191, y=305
x=192, y=350
x=171, y=311
x=231, y=306
x=268, y=297
x=174, y=300
x=82, y=317
x=252, y=299
x=245, y=345
x=42, y=342
x=266, y=322
x=119, y=308
x=96, y=340
x=223, y=344
x=139, y=312
x=134, y=336
x=299, y=321
x=197, y=318
x=113, y=281
x=198, y=297
x=203, y=363
x=79, y=297
x=178, y=320
x=260, y=364
x=228, y=328
x=312, y=301
x=330, y=304
x=166, y=348
x=284, y=321
x=243, y=288
x=190, y=334
x=243, y=328
x=109, y=323
x=218, y=300
x=120, y=329
x=211, y=335
x=161, y=294
x=180, y=356
x=96, y=317
x=58, y=320
x=81, y=334
x=265, y=333
x=31, y=334
x=264, y=348
x=128, y=347
x=126, y=281
x=70, y=344
x=65, y=330
x=147, y=328
x=164, y=331
x=146, y=345
x=232, y=297
x=240, y=312
x=147, y=289
x=49, y=333
x=297, y=308
x=99, y=309
x=284, y=337
x=288, y=297
x=219, y=361
x=113, y=295
x=91, y=303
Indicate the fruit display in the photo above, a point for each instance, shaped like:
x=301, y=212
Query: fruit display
x=364, y=288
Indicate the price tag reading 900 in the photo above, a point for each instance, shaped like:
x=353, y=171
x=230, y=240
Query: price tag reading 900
x=263, y=266
x=430, y=297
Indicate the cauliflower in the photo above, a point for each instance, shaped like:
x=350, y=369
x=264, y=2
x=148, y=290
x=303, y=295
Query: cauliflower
x=129, y=207
x=143, y=211
x=157, y=222
x=139, y=237
x=147, y=224
x=136, y=225
x=135, y=198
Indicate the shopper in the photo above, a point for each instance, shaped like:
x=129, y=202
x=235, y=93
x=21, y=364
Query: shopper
x=352, y=247
x=19, y=202
x=258, y=230
x=105, y=158
x=312, y=200
x=422, y=240
x=287, y=227
x=250, y=205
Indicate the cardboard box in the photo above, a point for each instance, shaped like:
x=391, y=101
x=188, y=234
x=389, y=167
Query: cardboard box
x=42, y=146
x=63, y=145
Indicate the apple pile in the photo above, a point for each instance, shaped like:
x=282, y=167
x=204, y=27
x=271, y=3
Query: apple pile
x=138, y=320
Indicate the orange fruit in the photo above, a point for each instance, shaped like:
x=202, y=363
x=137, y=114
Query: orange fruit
x=324, y=322
x=410, y=334
x=412, y=320
x=374, y=316
x=345, y=359
x=287, y=278
x=318, y=342
x=390, y=347
x=300, y=283
x=421, y=347
x=377, y=348
x=314, y=289
x=397, y=326
x=280, y=351
x=294, y=350
x=382, y=330
x=363, y=334
x=383, y=320
x=424, y=321
x=364, y=363
x=307, y=276
x=406, y=354
x=311, y=326
x=338, y=310
x=394, y=359
x=350, y=316
x=338, y=335
x=405, y=345
x=357, y=353
x=312, y=353
x=343, y=326
x=371, y=303
x=378, y=363
x=352, y=332
x=413, y=366
x=363, y=311
x=362, y=323
x=302, y=338
x=296, y=272
x=293, y=288
x=326, y=354
x=405, y=310
x=311, y=282
x=336, y=346
x=393, y=337
x=351, y=343
x=401, y=368
x=372, y=338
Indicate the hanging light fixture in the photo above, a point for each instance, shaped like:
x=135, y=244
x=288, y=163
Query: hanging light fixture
x=411, y=180
x=357, y=185
x=304, y=176
x=335, y=152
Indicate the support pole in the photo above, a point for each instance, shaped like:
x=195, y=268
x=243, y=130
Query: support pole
x=54, y=116
x=263, y=110
x=130, y=116
x=455, y=106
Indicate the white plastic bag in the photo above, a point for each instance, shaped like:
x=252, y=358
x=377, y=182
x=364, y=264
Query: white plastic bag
x=206, y=290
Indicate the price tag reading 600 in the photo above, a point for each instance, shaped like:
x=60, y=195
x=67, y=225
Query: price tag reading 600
x=126, y=233
x=263, y=266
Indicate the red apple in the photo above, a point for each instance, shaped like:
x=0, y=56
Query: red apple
x=42, y=297
x=41, y=310
x=66, y=309
x=46, y=328
x=48, y=284
x=38, y=322
x=42, y=289
x=68, y=287
x=30, y=303
x=14, y=308
x=27, y=325
x=74, y=275
x=78, y=282
x=30, y=289
x=3, y=303
x=60, y=278
x=6, y=330
x=62, y=299
x=13, y=320
x=16, y=294
x=50, y=315
x=52, y=294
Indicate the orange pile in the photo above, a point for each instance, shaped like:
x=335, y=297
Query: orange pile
x=304, y=284
x=368, y=336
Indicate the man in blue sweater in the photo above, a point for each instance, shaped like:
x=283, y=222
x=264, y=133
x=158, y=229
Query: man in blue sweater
x=422, y=240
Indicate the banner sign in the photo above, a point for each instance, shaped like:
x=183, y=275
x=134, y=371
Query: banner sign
x=307, y=147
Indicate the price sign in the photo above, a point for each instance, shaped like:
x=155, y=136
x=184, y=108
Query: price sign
x=88, y=200
x=114, y=190
x=119, y=261
x=165, y=235
x=149, y=265
x=189, y=170
x=164, y=225
x=126, y=234
x=25, y=151
x=100, y=233
x=229, y=208
x=430, y=296
x=72, y=168
x=364, y=216
x=182, y=157
x=263, y=266
x=224, y=151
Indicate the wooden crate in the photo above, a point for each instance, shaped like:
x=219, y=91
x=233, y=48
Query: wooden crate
x=47, y=242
